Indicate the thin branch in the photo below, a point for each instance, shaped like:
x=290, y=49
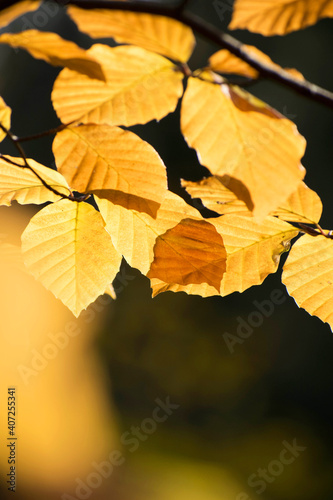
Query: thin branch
x=41, y=134
x=210, y=32
x=19, y=148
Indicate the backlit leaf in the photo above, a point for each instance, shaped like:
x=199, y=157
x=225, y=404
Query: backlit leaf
x=253, y=252
x=8, y=15
x=156, y=33
x=22, y=185
x=134, y=233
x=53, y=49
x=254, y=148
x=278, y=17
x=224, y=61
x=66, y=247
x=308, y=276
x=112, y=163
x=140, y=86
x=5, y=114
x=190, y=253
x=303, y=205
x=253, y=249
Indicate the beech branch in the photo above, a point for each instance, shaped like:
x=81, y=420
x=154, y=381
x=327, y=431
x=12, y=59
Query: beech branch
x=211, y=33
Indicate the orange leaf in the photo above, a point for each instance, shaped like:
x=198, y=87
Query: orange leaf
x=140, y=86
x=11, y=13
x=254, y=148
x=278, y=17
x=308, y=276
x=55, y=50
x=155, y=33
x=190, y=253
x=224, y=61
x=112, y=163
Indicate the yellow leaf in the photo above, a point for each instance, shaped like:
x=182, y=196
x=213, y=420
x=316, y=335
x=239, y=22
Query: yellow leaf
x=22, y=185
x=155, y=33
x=255, y=149
x=278, y=17
x=53, y=49
x=253, y=249
x=5, y=114
x=215, y=196
x=8, y=15
x=308, y=276
x=66, y=247
x=224, y=61
x=134, y=233
x=140, y=86
x=112, y=163
x=190, y=253
x=204, y=290
x=303, y=205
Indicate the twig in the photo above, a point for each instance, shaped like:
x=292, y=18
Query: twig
x=19, y=148
x=41, y=134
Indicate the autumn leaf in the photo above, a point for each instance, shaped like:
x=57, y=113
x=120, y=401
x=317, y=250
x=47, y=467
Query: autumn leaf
x=224, y=61
x=278, y=17
x=5, y=115
x=66, y=248
x=53, y=49
x=255, y=149
x=112, y=163
x=8, y=15
x=140, y=86
x=190, y=253
x=215, y=196
x=303, y=205
x=308, y=276
x=22, y=185
x=253, y=249
x=134, y=233
x=155, y=33
x=253, y=252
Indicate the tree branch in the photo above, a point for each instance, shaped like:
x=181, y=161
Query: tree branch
x=19, y=148
x=210, y=32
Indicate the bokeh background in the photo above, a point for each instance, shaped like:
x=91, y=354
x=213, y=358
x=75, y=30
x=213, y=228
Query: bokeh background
x=235, y=410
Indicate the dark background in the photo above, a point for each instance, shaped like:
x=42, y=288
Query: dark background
x=237, y=408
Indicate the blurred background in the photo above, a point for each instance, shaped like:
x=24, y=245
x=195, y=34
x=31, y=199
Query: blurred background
x=144, y=398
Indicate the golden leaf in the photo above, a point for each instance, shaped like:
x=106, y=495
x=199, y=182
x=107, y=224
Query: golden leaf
x=255, y=149
x=308, y=276
x=278, y=17
x=112, y=163
x=224, y=61
x=215, y=196
x=66, y=247
x=134, y=233
x=303, y=205
x=155, y=33
x=190, y=253
x=22, y=185
x=53, y=49
x=140, y=86
x=253, y=249
x=8, y=15
x=5, y=115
